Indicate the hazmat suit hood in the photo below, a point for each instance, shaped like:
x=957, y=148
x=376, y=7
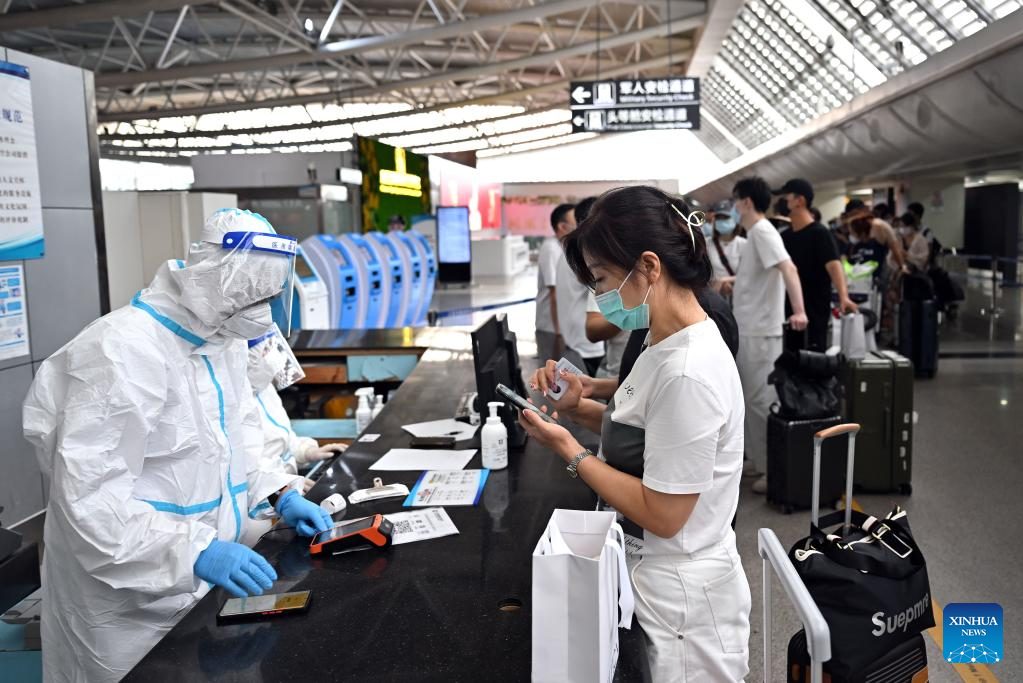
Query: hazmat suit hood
x=220, y=294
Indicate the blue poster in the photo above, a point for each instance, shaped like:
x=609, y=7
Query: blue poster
x=21, y=213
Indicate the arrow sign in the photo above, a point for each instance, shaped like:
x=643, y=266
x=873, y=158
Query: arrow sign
x=581, y=94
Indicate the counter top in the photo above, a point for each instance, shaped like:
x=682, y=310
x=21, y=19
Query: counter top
x=423, y=611
x=398, y=338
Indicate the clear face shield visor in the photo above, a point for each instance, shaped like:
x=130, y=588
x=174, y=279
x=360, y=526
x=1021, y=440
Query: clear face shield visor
x=272, y=360
x=259, y=268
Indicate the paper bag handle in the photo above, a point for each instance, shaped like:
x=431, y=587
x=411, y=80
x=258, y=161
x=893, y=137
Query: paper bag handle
x=626, y=599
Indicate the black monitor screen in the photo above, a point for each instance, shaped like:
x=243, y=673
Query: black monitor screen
x=496, y=360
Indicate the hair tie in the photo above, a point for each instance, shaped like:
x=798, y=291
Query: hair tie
x=695, y=218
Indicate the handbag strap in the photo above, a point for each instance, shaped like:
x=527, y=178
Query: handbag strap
x=626, y=599
x=721, y=255
x=902, y=545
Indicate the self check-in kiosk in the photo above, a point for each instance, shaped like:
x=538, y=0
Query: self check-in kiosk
x=334, y=260
x=396, y=280
x=414, y=283
x=371, y=280
x=311, y=307
x=426, y=256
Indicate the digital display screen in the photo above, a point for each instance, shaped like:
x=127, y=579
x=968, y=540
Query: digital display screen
x=453, y=243
x=342, y=530
x=302, y=268
x=339, y=256
x=367, y=253
x=265, y=603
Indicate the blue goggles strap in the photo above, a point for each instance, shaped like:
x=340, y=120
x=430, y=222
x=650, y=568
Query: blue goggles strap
x=260, y=340
x=260, y=241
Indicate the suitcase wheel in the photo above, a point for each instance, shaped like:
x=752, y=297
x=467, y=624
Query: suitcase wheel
x=906, y=489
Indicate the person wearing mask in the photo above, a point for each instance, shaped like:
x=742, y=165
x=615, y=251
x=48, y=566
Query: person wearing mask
x=815, y=254
x=918, y=251
x=548, y=334
x=671, y=437
x=598, y=329
x=273, y=367
x=572, y=309
x=146, y=429
x=765, y=273
x=726, y=247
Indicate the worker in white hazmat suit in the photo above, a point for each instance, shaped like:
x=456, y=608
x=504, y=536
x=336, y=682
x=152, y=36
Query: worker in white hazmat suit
x=273, y=367
x=147, y=430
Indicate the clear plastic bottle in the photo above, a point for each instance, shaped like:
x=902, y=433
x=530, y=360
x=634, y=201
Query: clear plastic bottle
x=494, y=439
x=364, y=413
x=378, y=405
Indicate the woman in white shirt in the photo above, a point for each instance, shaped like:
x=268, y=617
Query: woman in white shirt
x=671, y=438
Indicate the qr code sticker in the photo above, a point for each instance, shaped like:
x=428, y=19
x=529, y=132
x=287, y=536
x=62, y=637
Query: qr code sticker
x=402, y=527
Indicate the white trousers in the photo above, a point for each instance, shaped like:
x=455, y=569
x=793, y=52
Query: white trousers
x=755, y=362
x=694, y=609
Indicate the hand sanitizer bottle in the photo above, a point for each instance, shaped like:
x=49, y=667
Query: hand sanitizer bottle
x=364, y=413
x=495, y=440
x=378, y=405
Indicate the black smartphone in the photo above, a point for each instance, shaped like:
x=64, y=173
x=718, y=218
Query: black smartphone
x=523, y=404
x=432, y=442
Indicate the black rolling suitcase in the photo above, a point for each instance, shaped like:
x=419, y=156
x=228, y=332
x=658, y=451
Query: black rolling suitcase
x=918, y=335
x=879, y=396
x=906, y=663
x=790, y=462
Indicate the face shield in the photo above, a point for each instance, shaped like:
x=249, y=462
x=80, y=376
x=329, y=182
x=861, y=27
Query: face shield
x=258, y=276
x=272, y=360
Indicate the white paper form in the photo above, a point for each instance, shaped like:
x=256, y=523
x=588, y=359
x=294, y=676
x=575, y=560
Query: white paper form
x=420, y=525
x=423, y=459
x=457, y=487
x=449, y=427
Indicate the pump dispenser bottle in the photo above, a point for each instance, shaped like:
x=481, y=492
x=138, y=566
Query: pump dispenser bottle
x=364, y=413
x=494, y=438
x=378, y=405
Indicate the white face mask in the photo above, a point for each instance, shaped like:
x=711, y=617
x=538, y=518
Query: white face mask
x=250, y=322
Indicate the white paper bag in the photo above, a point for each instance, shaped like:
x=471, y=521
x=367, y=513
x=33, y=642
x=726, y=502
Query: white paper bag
x=579, y=583
x=854, y=338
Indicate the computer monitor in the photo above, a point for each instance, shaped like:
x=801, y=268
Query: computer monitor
x=496, y=358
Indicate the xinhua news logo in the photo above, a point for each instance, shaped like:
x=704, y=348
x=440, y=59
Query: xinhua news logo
x=972, y=633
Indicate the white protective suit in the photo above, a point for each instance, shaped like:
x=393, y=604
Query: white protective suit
x=146, y=426
x=279, y=440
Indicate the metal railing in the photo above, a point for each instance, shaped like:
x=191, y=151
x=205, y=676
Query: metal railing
x=818, y=635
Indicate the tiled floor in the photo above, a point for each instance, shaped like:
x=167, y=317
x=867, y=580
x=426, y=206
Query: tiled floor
x=967, y=474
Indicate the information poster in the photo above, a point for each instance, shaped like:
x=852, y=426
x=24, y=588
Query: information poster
x=13, y=324
x=21, y=213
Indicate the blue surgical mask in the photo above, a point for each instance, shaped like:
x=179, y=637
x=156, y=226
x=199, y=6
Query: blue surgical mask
x=612, y=308
x=708, y=230
x=724, y=226
x=735, y=214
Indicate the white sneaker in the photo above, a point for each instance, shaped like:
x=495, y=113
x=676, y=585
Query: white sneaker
x=760, y=485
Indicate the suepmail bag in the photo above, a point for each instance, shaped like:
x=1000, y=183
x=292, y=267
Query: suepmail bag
x=581, y=595
x=870, y=583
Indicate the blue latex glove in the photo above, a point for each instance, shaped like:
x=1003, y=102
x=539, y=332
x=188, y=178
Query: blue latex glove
x=307, y=518
x=236, y=568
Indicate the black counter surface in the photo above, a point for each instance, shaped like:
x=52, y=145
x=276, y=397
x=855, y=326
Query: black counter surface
x=425, y=611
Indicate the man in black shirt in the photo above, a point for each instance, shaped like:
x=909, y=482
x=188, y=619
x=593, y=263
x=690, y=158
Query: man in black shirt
x=815, y=254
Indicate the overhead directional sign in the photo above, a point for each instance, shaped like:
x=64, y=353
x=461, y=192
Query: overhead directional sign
x=635, y=104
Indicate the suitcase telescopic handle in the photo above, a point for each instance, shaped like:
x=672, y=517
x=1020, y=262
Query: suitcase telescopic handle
x=850, y=428
x=818, y=635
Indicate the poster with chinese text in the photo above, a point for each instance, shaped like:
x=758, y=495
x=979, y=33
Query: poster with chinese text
x=21, y=213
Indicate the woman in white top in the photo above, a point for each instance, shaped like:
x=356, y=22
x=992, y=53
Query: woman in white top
x=671, y=438
x=918, y=251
